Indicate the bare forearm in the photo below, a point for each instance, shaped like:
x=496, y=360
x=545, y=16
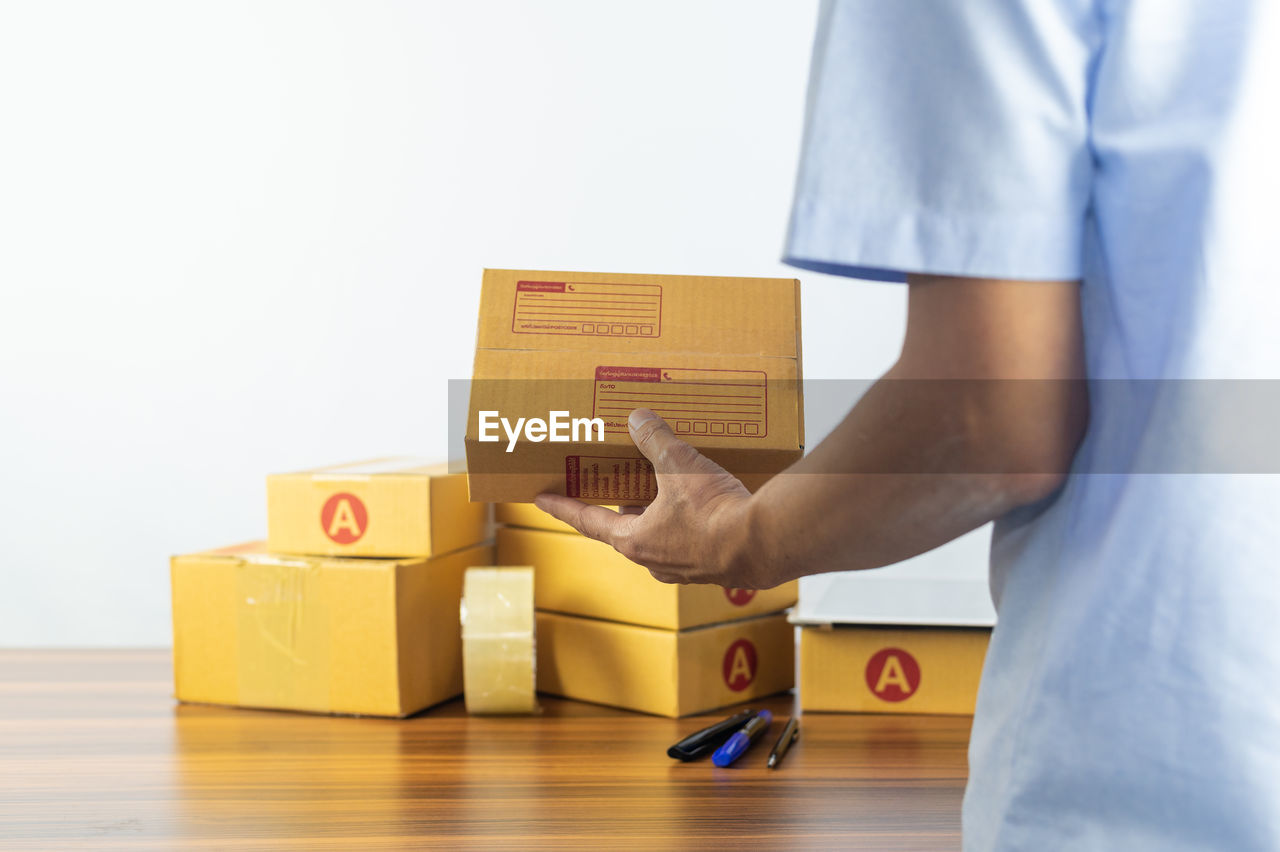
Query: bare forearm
x=914, y=465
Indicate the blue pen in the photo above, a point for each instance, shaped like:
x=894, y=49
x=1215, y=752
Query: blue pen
x=737, y=745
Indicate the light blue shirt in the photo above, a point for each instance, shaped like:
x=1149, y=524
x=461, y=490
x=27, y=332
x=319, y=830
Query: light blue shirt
x=1131, y=695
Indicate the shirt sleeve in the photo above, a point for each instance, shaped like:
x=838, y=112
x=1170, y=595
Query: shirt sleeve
x=947, y=137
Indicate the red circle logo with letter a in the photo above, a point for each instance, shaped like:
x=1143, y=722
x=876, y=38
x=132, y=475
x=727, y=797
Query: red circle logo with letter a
x=893, y=674
x=739, y=666
x=739, y=597
x=344, y=518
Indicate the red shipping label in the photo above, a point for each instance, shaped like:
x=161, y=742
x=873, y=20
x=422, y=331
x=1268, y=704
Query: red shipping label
x=593, y=309
x=609, y=478
x=697, y=403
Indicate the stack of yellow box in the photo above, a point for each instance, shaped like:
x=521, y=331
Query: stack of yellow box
x=609, y=633
x=350, y=606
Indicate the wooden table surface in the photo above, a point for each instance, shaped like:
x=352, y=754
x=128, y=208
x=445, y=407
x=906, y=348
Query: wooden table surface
x=94, y=753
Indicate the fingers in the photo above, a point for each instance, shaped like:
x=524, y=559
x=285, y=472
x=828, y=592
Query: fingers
x=660, y=446
x=594, y=522
x=664, y=575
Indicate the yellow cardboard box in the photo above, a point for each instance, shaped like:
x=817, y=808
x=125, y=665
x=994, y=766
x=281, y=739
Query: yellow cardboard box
x=865, y=669
x=376, y=637
x=528, y=516
x=718, y=358
x=576, y=575
x=664, y=672
x=387, y=507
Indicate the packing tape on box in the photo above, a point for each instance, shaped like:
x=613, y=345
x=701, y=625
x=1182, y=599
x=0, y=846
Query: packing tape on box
x=282, y=634
x=497, y=640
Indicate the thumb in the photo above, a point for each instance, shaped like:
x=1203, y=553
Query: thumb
x=660, y=446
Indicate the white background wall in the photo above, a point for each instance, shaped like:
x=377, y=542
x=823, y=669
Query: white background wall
x=245, y=237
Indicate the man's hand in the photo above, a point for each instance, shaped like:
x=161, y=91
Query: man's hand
x=696, y=531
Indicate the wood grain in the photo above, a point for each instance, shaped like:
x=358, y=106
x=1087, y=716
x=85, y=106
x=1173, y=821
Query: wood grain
x=94, y=754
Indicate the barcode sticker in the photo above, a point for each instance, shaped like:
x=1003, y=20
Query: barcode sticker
x=609, y=478
x=726, y=403
x=608, y=310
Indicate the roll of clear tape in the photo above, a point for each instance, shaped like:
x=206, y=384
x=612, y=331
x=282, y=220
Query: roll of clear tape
x=498, y=652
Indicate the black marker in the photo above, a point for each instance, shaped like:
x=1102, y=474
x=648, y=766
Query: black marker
x=707, y=740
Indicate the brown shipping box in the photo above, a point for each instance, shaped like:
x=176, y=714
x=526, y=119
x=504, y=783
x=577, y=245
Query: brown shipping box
x=664, y=672
x=718, y=358
x=528, y=516
x=579, y=576
x=387, y=507
x=871, y=669
x=377, y=637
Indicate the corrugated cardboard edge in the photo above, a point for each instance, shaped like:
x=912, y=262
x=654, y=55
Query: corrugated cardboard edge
x=799, y=370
